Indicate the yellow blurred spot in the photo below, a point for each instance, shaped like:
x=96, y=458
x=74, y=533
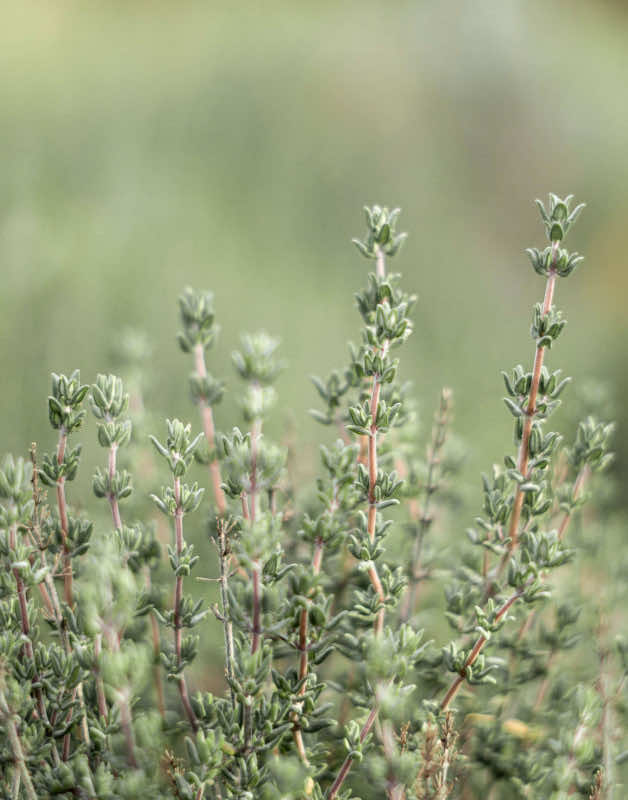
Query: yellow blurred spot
x=517, y=728
x=480, y=719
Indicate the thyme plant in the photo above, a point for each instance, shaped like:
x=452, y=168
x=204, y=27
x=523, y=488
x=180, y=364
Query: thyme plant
x=338, y=677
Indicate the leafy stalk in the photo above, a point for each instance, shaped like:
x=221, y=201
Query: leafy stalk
x=176, y=501
x=198, y=335
x=19, y=760
x=109, y=403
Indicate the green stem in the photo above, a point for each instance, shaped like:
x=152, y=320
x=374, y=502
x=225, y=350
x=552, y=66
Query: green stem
x=178, y=595
x=63, y=521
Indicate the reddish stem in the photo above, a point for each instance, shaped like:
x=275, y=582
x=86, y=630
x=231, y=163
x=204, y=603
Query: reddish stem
x=477, y=649
x=45, y=596
x=256, y=431
x=207, y=417
x=346, y=766
x=26, y=634
x=524, y=447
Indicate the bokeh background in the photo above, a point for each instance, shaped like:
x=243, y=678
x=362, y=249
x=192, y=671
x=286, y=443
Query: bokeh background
x=145, y=146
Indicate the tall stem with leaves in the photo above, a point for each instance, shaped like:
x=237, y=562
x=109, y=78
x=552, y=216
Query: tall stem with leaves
x=519, y=499
x=384, y=308
x=252, y=467
x=534, y=397
x=257, y=363
x=176, y=501
x=197, y=337
x=109, y=404
x=66, y=416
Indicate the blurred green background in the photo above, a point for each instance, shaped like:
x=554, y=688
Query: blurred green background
x=149, y=145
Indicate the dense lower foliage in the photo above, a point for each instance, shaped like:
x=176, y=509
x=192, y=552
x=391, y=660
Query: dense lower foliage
x=339, y=677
